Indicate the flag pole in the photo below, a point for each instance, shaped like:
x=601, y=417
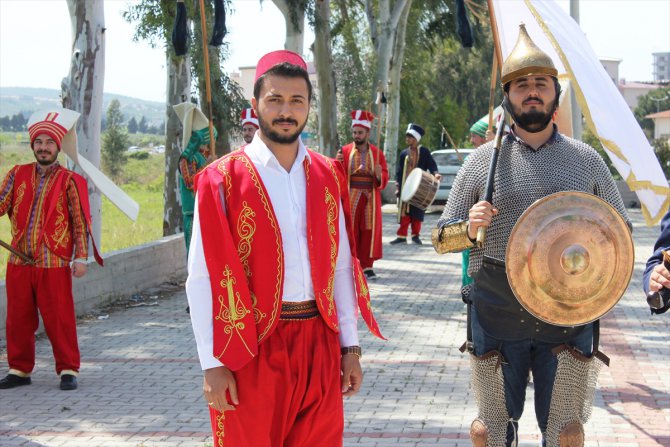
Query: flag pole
x=208, y=86
x=497, y=59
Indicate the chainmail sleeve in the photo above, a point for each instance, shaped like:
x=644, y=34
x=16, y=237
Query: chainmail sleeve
x=467, y=187
x=523, y=176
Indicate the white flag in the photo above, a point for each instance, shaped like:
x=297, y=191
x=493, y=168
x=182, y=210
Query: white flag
x=607, y=114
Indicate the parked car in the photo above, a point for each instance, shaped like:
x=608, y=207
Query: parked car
x=448, y=161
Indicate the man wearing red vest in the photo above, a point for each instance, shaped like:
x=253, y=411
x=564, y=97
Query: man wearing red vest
x=367, y=176
x=49, y=213
x=274, y=284
x=249, y=123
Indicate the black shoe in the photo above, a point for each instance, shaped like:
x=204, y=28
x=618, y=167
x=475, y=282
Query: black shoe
x=12, y=381
x=68, y=382
x=416, y=240
x=399, y=240
x=369, y=274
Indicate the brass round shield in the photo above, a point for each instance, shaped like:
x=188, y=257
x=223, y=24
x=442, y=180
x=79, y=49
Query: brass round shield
x=569, y=258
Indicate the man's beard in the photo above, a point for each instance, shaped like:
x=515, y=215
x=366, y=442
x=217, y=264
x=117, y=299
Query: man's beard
x=276, y=136
x=361, y=142
x=535, y=120
x=46, y=162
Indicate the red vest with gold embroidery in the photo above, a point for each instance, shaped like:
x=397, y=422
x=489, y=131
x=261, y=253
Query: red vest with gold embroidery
x=244, y=255
x=56, y=220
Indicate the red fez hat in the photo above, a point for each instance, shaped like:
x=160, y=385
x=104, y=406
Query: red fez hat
x=249, y=117
x=278, y=57
x=362, y=118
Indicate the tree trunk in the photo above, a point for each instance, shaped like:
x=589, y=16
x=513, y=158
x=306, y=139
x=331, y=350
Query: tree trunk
x=178, y=91
x=383, y=32
x=295, y=27
x=393, y=114
x=82, y=89
x=323, y=59
x=216, y=82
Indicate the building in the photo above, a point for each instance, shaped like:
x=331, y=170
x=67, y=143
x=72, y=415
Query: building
x=611, y=66
x=661, y=67
x=631, y=91
x=661, y=124
x=245, y=79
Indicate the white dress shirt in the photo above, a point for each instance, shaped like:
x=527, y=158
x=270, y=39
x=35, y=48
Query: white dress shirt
x=287, y=191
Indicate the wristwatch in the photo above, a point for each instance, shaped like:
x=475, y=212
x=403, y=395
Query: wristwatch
x=355, y=350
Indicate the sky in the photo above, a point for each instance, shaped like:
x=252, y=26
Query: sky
x=35, y=41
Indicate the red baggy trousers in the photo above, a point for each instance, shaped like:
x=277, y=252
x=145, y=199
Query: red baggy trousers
x=290, y=393
x=48, y=290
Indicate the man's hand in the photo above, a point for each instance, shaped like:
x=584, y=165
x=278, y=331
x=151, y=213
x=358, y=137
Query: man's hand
x=214, y=386
x=339, y=156
x=352, y=374
x=480, y=216
x=438, y=176
x=659, y=278
x=79, y=269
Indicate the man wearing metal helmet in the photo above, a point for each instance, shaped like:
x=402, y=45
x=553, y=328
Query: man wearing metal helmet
x=505, y=340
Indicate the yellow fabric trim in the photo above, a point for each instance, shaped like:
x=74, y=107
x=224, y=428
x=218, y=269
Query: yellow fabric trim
x=633, y=184
x=70, y=372
x=16, y=372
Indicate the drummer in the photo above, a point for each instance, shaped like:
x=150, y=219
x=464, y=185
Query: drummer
x=535, y=161
x=414, y=156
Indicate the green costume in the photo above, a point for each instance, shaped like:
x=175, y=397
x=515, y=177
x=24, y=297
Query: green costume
x=191, y=161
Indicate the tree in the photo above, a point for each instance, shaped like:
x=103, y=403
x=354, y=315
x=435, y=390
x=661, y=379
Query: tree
x=153, y=22
x=294, y=17
x=387, y=22
x=655, y=101
x=662, y=151
x=114, y=141
x=82, y=89
x=6, y=123
x=227, y=98
x=18, y=122
x=142, y=126
x=132, y=125
x=323, y=58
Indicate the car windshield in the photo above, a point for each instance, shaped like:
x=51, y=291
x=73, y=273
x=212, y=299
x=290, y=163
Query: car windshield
x=448, y=159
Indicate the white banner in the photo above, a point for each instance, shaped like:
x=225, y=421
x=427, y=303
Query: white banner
x=605, y=110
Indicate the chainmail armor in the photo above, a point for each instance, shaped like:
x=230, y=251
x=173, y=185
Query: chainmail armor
x=573, y=392
x=488, y=387
x=524, y=175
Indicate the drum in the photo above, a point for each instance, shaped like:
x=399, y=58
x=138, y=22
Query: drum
x=419, y=188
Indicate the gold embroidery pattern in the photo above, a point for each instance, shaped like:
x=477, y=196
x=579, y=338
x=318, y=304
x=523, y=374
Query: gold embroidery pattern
x=331, y=218
x=61, y=234
x=20, y=192
x=246, y=227
x=363, y=289
x=233, y=312
x=220, y=417
x=242, y=156
x=258, y=314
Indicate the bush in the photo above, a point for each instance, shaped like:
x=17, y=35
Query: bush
x=139, y=155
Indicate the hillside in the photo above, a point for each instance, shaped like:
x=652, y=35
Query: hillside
x=27, y=100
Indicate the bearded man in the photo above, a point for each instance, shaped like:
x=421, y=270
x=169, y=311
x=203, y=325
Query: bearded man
x=274, y=283
x=535, y=161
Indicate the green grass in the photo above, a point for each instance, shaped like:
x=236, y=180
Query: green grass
x=141, y=179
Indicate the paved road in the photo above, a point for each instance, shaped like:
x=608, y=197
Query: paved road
x=140, y=380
